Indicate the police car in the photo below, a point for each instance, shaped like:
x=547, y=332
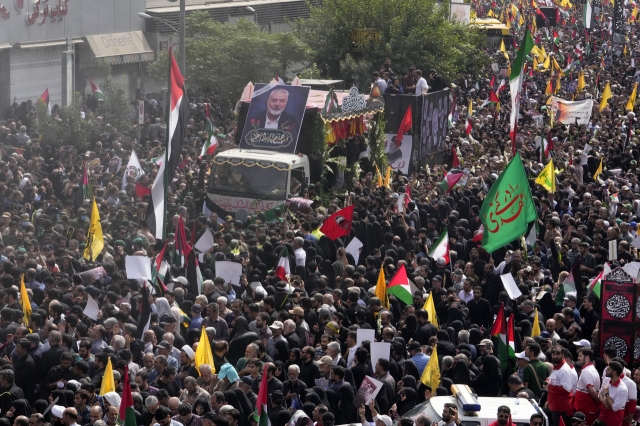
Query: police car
x=477, y=411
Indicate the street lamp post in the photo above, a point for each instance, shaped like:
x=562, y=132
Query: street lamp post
x=180, y=31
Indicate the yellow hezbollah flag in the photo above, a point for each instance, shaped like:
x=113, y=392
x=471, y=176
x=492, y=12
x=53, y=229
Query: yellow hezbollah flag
x=25, y=303
x=598, y=171
x=95, y=240
x=203, y=353
x=547, y=63
x=558, y=87
x=606, y=95
x=431, y=374
x=535, y=63
x=387, y=177
x=381, y=289
x=547, y=177
x=535, y=331
x=632, y=99
x=504, y=50
x=379, y=176
x=430, y=307
x=108, y=385
x=549, y=90
x=581, y=83
x=557, y=67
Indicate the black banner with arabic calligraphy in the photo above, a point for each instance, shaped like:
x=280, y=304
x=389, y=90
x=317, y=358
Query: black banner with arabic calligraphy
x=435, y=122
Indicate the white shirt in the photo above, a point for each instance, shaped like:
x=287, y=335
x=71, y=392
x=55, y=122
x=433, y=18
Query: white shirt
x=301, y=256
x=631, y=386
x=619, y=394
x=421, y=86
x=588, y=377
x=574, y=373
x=382, y=85
x=465, y=297
x=565, y=377
x=271, y=124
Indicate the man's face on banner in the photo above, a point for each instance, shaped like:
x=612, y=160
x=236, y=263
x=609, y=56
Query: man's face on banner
x=277, y=102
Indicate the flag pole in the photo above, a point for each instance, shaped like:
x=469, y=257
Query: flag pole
x=166, y=148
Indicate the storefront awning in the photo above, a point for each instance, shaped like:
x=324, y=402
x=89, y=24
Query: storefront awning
x=121, y=48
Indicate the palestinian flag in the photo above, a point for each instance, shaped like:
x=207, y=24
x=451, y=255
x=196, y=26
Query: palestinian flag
x=441, y=248
x=569, y=285
x=515, y=82
x=450, y=181
x=501, y=86
x=261, y=415
x=177, y=126
x=127, y=412
x=45, y=100
x=596, y=284
x=503, y=336
x=181, y=249
x=478, y=237
x=493, y=98
x=211, y=143
x=159, y=268
x=556, y=38
x=282, y=268
x=405, y=125
x=96, y=91
x=400, y=287
x=455, y=161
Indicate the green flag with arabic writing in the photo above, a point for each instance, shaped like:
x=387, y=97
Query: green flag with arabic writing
x=508, y=207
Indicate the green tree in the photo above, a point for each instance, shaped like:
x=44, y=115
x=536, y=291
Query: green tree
x=116, y=109
x=412, y=33
x=225, y=57
x=68, y=128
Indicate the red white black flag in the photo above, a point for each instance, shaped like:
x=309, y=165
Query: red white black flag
x=178, y=119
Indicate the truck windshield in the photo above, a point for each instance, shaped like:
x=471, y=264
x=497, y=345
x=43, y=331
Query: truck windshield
x=424, y=408
x=255, y=181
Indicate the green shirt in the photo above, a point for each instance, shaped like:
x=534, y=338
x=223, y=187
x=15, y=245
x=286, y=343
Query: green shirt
x=542, y=371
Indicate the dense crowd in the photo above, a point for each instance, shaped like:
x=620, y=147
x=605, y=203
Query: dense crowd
x=303, y=333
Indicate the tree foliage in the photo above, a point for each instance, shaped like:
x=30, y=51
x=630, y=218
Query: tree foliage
x=68, y=128
x=116, y=109
x=412, y=33
x=225, y=57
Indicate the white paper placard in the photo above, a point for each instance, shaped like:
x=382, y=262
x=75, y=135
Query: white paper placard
x=365, y=334
x=138, y=267
x=510, y=286
x=92, y=309
x=380, y=350
x=205, y=242
x=230, y=271
x=354, y=248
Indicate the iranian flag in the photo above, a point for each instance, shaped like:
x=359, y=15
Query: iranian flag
x=503, y=336
x=211, y=143
x=568, y=286
x=400, y=287
x=127, y=412
x=96, y=91
x=261, y=416
x=283, y=269
x=450, y=181
x=441, y=247
x=515, y=83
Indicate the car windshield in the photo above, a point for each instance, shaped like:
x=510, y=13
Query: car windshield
x=242, y=180
x=424, y=408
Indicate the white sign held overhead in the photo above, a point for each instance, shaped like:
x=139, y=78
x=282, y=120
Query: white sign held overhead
x=365, y=334
x=230, y=271
x=205, y=242
x=354, y=248
x=138, y=267
x=92, y=309
x=510, y=286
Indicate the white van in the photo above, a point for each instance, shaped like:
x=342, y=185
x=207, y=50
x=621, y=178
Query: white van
x=244, y=182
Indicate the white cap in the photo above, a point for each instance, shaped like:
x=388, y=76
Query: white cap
x=190, y=353
x=521, y=355
x=384, y=419
x=182, y=280
x=277, y=325
x=584, y=343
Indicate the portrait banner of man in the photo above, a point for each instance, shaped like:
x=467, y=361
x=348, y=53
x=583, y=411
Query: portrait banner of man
x=368, y=391
x=274, y=118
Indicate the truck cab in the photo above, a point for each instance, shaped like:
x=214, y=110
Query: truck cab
x=477, y=411
x=244, y=182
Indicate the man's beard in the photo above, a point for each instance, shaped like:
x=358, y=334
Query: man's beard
x=274, y=112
